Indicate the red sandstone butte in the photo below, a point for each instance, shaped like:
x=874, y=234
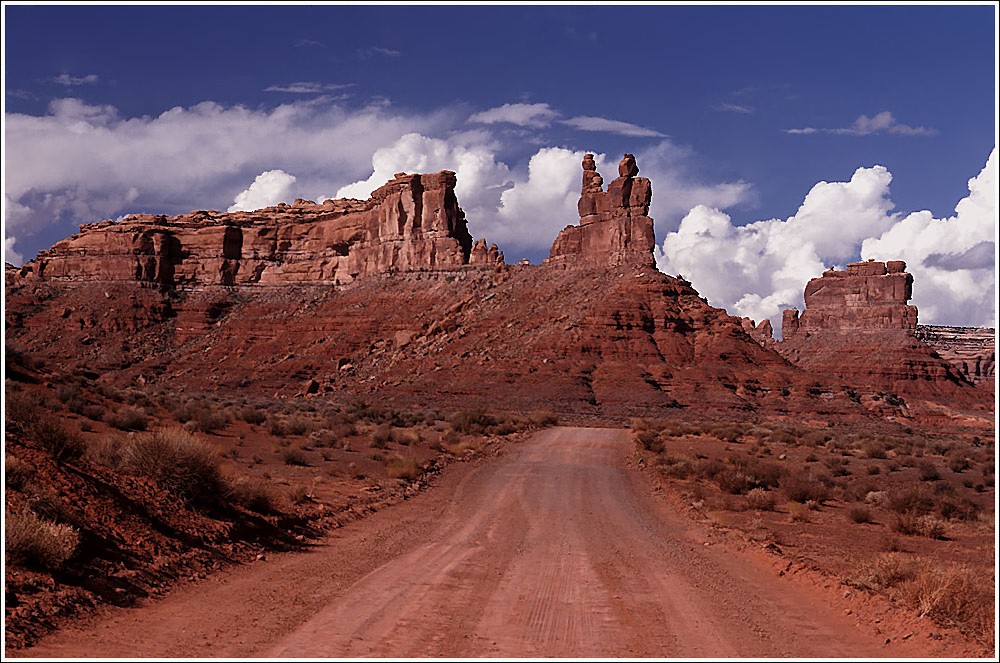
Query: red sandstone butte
x=614, y=225
x=858, y=325
x=867, y=295
x=411, y=223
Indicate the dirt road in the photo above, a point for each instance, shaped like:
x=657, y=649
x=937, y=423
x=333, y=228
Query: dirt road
x=556, y=549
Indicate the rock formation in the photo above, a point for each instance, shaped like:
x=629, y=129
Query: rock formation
x=971, y=350
x=413, y=222
x=857, y=325
x=867, y=295
x=614, y=225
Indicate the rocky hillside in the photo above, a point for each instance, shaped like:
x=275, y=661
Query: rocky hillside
x=390, y=298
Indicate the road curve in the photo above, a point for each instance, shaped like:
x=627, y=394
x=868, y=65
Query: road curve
x=555, y=549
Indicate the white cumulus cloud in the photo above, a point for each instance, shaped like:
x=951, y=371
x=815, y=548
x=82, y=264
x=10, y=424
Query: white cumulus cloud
x=268, y=189
x=10, y=254
x=81, y=162
x=759, y=269
x=952, y=259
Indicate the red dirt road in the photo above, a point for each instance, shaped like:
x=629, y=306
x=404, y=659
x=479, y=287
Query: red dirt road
x=556, y=549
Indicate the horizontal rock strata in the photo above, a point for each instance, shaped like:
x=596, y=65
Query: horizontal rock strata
x=411, y=223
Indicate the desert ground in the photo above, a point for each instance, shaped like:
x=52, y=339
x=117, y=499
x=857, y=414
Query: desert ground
x=560, y=546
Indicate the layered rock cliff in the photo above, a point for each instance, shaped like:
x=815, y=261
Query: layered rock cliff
x=411, y=223
x=867, y=295
x=971, y=350
x=614, y=225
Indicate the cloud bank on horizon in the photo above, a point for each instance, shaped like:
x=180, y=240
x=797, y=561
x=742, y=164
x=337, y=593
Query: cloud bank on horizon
x=758, y=269
x=82, y=162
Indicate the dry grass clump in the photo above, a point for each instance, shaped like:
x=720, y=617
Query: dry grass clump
x=648, y=440
x=64, y=445
x=380, y=437
x=399, y=467
x=295, y=456
x=798, y=513
x=405, y=436
x=859, y=513
x=252, y=415
x=951, y=595
x=127, y=418
x=33, y=540
x=543, y=419
x=760, y=499
x=255, y=494
x=926, y=525
x=803, y=489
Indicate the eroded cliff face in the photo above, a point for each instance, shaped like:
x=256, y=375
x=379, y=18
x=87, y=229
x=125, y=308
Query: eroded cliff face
x=614, y=225
x=858, y=325
x=411, y=223
x=970, y=350
x=867, y=295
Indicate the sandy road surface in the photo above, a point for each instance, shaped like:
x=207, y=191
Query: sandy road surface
x=556, y=549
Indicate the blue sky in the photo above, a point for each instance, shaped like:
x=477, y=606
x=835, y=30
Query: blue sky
x=738, y=109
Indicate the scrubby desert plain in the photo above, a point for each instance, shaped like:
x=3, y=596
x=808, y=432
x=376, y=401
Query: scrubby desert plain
x=346, y=430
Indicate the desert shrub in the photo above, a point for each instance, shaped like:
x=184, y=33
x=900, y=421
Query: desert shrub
x=211, y=419
x=859, y=513
x=475, y=421
x=798, y=513
x=955, y=596
x=407, y=437
x=70, y=392
x=380, y=437
x=63, y=444
x=926, y=525
x=128, y=418
x=402, y=468
x=255, y=494
x=324, y=438
x=928, y=471
x=875, y=449
x=298, y=425
x=760, y=499
x=877, y=497
x=649, y=440
x=33, y=540
x=252, y=415
x=544, y=419
x=299, y=493
x=883, y=572
x=179, y=462
x=917, y=500
x=804, y=489
x=676, y=467
x=17, y=472
x=22, y=409
x=295, y=456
